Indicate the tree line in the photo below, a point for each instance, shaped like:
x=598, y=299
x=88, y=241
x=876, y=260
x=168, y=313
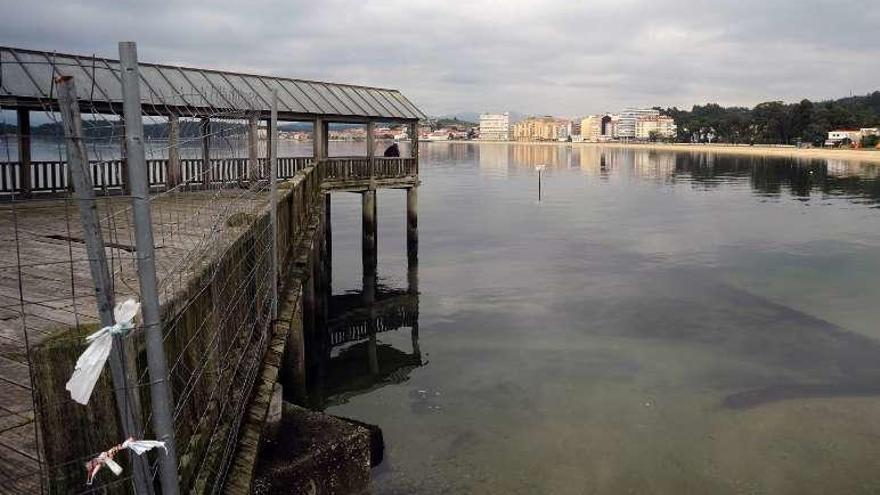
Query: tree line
x=775, y=122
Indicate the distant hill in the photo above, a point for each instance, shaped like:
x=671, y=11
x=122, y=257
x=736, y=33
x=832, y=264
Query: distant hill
x=453, y=121
x=475, y=116
x=775, y=122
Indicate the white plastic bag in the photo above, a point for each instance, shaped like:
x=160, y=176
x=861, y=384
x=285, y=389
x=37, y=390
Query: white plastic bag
x=91, y=362
x=106, y=457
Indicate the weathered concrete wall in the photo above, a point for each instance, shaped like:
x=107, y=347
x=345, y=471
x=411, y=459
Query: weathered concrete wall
x=220, y=319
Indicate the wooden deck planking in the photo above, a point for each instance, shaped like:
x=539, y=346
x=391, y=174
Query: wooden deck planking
x=57, y=288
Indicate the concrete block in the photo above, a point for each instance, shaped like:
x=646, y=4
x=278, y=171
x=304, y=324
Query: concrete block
x=314, y=454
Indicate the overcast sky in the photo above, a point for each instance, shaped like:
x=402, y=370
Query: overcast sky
x=550, y=57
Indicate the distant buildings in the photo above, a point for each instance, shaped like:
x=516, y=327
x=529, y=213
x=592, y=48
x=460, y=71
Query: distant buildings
x=655, y=127
x=495, y=127
x=542, y=129
x=626, y=127
x=599, y=128
x=853, y=136
x=631, y=124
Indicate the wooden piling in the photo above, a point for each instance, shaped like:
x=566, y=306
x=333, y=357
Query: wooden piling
x=205, y=129
x=24, y=151
x=368, y=234
x=253, y=148
x=173, y=171
x=412, y=225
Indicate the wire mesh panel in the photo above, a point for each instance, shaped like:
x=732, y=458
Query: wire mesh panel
x=212, y=236
x=205, y=143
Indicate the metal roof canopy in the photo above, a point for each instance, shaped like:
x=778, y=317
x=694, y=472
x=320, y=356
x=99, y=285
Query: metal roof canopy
x=26, y=81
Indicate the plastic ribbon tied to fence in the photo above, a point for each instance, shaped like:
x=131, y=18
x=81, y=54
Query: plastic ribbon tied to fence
x=91, y=362
x=106, y=458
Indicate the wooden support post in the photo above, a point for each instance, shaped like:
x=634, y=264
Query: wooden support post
x=369, y=259
x=173, y=172
x=328, y=244
x=319, y=139
x=205, y=129
x=368, y=237
x=414, y=143
x=253, y=148
x=412, y=225
x=371, y=152
x=325, y=139
x=24, y=151
x=371, y=139
x=412, y=265
x=327, y=260
x=273, y=199
x=127, y=400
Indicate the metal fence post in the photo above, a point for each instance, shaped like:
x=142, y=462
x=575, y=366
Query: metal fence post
x=273, y=198
x=160, y=393
x=127, y=402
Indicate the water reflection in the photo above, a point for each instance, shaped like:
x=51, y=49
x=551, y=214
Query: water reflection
x=353, y=361
x=767, y=176
x=662, y=323
x=343, y=355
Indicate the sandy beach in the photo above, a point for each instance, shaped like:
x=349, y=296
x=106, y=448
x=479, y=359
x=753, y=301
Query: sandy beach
x=864, y=156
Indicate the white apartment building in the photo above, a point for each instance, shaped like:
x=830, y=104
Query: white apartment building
x=660, y=126
x=626, y=126
x=495, y=127
x=839, y=135
x=563, y=131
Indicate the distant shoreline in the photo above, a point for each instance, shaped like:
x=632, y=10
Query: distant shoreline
x=864, y=156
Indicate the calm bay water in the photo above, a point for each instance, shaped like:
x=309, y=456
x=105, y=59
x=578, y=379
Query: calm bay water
x=660, y=323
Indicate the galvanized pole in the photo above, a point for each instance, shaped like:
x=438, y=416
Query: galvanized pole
x=273, y=198
x=160, y=393
x=84, y=192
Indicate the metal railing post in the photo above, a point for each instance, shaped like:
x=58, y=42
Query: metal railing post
x=160, y=393
x=84, y=192
x=273, y=198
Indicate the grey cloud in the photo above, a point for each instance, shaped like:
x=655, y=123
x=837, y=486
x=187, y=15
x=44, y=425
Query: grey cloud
x=559, y=57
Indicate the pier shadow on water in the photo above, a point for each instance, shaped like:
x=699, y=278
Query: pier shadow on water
x=345, y=358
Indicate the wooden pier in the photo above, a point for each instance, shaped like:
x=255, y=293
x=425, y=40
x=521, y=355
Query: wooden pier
x=46, y=291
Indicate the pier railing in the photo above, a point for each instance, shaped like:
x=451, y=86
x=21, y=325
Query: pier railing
x=358, y=169
x=51, y=176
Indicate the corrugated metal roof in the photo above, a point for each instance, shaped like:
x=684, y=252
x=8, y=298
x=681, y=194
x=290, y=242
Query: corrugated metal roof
x=26, y=78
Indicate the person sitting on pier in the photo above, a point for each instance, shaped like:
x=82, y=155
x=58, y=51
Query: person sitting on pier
x=392, y=150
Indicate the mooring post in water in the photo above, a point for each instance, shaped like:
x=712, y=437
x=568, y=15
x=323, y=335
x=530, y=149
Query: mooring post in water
x=540, y=169
x=160, y=392
x=273, y=198
x=125, y=391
